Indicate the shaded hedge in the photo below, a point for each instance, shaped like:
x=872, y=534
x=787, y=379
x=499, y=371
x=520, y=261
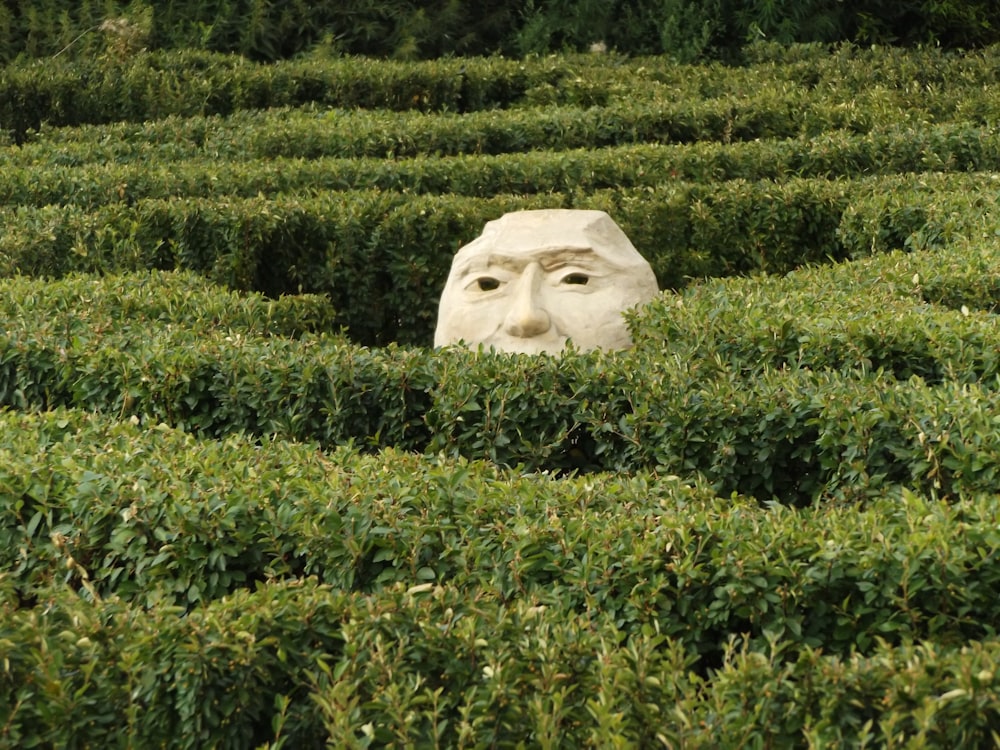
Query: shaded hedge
x=297, y=663
x=156, y=84
x=775, y=389
x=156, y=517
x=411, y=29
x=655, y=97
x=157, y=302
x=382, y=257
x=771, y=523
x=425, y=108
x=232, y=593
x=40, y=181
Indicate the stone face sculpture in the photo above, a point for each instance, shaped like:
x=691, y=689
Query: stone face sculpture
x=535, y=279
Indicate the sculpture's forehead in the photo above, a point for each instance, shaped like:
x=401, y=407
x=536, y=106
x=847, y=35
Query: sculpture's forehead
x=527, y=232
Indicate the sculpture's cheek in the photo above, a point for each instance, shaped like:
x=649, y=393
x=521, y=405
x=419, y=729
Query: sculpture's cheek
x=593, y=321
x=467, y=321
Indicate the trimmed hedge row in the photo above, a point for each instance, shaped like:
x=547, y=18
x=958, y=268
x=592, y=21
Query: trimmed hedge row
x=700, y=405
x=928, y=315
x=792, y=435
x=383, y=257
x=945, y=148
x=854, y=67
x=151, y=85
x=297, y=664
x=87, y=307
x=220, y=382
x=669, y=117
x=846, y=68
x=156, y=84
x=157, y=518
x=342, y=133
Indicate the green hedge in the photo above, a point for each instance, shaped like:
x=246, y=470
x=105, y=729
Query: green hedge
x=854, y=67
x=335, y=243
x=945, y=148
x=770, y=523
x=220, y=381
x=927, y=315
x=791, y=394
x=791, y=435
x=90, y=307
x=383, y=257
x=651, y=98
x=156, y=517
x=312, y=132
x=297, y=664
x=447, y=608
x=666, y=115
x=187, y=83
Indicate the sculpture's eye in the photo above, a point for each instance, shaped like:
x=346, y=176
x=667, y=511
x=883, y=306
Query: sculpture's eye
x=488, y=284
x=576, y=278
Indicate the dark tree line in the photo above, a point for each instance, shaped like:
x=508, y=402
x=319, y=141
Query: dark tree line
x=418, y=29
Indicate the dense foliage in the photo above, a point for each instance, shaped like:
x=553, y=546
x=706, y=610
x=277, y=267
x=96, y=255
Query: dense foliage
x=244, y=504
x=231, y=592
x=685, y=30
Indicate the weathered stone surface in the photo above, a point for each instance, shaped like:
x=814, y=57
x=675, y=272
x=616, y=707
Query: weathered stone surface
x=535, y=279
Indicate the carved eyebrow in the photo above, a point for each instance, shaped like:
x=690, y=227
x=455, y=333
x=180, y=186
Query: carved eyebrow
x=549, y=258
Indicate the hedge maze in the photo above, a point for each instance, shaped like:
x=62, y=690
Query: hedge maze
x=244, y=503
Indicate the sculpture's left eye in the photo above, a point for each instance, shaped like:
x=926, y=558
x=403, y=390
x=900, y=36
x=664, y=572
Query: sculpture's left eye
x=579, y=279
x=488, y=284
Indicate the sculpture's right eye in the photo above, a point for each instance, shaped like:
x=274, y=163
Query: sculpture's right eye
x=488, y=284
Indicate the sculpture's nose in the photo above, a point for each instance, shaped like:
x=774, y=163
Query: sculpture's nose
x=527, y=317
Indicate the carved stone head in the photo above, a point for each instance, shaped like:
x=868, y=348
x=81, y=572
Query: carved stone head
x=535, y=279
